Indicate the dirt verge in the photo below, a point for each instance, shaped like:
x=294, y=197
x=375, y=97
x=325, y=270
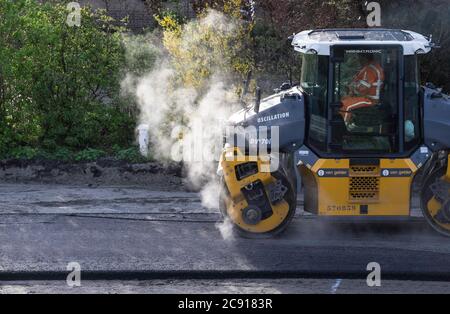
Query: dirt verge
x=105, y=171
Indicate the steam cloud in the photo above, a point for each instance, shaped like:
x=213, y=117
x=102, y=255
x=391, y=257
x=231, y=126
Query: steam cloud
x=186, y=124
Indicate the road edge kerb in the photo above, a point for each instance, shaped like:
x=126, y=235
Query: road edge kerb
x=90, y=275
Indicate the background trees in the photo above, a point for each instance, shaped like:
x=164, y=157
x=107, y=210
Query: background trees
x=60, y=86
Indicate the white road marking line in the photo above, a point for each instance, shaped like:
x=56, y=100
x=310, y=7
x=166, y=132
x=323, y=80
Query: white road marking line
x=336, y=286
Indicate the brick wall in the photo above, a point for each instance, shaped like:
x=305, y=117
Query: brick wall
x=136, y=10
x=139, y=17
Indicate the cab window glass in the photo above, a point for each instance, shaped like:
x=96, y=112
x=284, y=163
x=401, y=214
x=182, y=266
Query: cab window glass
x=314, y=81
x=412, y=103
x=365, y=98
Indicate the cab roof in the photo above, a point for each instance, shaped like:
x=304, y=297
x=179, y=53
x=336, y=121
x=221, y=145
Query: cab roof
x=320, y=40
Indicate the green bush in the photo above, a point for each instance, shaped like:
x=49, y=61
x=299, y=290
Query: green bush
x=23, y=153
x=63, y=153
x=131, y=155
x=26, y=153
x=60, y=85
x=89, y=154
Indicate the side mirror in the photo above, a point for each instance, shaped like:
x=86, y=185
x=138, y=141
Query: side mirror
x=258, y=99
x=283, y=87
x=437, y=95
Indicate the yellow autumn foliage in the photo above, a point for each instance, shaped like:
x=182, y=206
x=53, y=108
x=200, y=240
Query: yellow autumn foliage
x=214, y=44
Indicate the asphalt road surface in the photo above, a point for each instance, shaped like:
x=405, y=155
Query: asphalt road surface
x=130, y=239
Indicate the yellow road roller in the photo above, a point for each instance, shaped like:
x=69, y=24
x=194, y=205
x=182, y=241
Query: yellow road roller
x=359, y=129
